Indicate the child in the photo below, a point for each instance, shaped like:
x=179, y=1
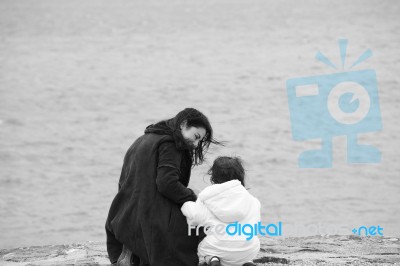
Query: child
x=225, y=202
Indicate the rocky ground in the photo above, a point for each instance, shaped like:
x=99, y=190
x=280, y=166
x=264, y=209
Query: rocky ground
x=314, y=250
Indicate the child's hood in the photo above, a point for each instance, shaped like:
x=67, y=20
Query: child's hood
x=228, y=201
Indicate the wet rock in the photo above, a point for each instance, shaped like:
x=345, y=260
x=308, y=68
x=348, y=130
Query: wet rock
x=314, y=250
x=271, y=260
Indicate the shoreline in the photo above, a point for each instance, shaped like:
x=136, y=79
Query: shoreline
x=312, y=250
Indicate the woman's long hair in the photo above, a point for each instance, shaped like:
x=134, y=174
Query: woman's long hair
x=193, y=118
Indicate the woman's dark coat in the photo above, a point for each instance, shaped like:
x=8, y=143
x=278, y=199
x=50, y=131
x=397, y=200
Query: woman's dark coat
x=145, y=214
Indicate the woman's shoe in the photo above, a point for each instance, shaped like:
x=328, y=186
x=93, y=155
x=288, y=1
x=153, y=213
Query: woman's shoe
x=215, y=262
x=127, y=258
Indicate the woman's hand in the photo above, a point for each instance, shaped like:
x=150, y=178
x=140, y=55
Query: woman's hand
x=196, y=191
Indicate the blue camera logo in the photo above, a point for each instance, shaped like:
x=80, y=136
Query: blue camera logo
x=337, y=104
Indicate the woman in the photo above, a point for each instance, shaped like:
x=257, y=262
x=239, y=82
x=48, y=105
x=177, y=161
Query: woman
x=145, y=218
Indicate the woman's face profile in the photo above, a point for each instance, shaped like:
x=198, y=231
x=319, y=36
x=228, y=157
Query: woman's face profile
x=192, y=135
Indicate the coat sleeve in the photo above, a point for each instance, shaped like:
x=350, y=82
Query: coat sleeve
x=168, y=173
x=196, y=213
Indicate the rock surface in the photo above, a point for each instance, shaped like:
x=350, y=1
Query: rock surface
x=314, y=250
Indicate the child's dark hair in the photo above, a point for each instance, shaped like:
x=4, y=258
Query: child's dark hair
x=225, y=169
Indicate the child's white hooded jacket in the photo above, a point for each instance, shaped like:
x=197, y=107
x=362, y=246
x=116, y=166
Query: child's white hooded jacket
x=218, y=206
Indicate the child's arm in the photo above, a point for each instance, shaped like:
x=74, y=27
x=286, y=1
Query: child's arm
x=196, y=212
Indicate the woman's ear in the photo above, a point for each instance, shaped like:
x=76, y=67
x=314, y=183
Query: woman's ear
x=183, y=124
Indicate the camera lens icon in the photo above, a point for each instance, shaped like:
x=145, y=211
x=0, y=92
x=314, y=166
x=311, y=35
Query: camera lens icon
x=348, y=103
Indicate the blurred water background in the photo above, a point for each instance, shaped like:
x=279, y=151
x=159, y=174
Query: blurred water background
x=81, y=79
